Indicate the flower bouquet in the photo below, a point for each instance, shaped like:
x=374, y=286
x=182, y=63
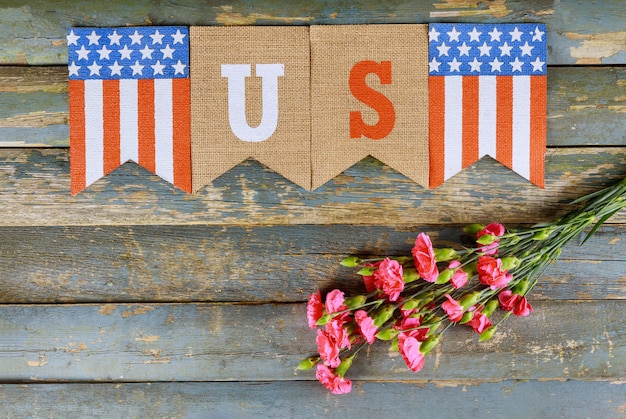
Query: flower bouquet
x=411, y=301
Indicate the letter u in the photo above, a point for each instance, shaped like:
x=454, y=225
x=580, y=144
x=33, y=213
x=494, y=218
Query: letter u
x=236, y=74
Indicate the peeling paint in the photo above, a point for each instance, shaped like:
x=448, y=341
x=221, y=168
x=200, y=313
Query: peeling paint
x=38, y=119
x=107, y=309
x=148, y=339
x=138, y=310
x=595, y=47
x=495, y=8
x=230, y=18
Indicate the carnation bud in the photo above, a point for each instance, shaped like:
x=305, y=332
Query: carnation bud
x=543, y=234
x=345, y=365
x=324, y=319
x=355, y=302
x=486, y=239
x=470, y=299
x=429, y=344
x=411, y=304
x=387, y=334
x=487, y=334
x=410, y=275
x=473, y=228
x=383, y=314
x=444, y=255
x=394, y=345
x=445, y=276
x=521, y=288
x=366, y=271
x=490, y=307
x=351, y=262
x=467, y=317
x=307, y=364
x=433, y=324
x=510, y=262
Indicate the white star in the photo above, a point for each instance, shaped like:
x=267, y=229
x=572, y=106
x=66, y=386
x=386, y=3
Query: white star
x=454, y=65
x=125, y=52
x=516, y=65
x=135, y=38
x=167, y=52
x=157, y=68
x=474, y=35
x=114, y=38
x=104, y=53
x=433, y=35
x=537, y=34
x=505, y=49
x=475, y=65
x=495, y=34
x=146, y=53
x=443, y=49
x=157, y=37
x=464, y=50
x=116, y=69
x=526, y=49
x=72, y=39
x=433, y=66
x=537, y=65
x=179, y=68
x=94, y=69
x=73, y=69
x=516, y=35
x=178, y=37
x=484, y=49
x=93, y=38
x=453, y=34
x=495, y=65
x=83, y=53
x=137, y=68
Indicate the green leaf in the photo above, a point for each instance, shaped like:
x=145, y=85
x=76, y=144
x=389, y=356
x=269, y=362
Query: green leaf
x=307, y=364
x=599, y=223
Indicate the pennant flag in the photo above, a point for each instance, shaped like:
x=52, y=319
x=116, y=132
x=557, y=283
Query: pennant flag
x=129, y=95
x=487, y=93
x=250, y=95
x=369, y=96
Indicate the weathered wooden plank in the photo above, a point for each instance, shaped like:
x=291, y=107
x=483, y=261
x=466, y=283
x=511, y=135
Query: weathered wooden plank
x=260, y=264
x=35, y=33
x=229, y=342
x=34, y=190
x=586, y=106
x=510, y=399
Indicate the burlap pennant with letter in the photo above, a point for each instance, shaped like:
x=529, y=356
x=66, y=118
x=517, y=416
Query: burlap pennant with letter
x=250, y=90
x=369, y=96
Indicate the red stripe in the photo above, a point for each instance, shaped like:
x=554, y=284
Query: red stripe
x=146, y=140
x=181, y=112
x=111, y=124
x=470, y=120
x=436, y=128
x=504, y=125
x=77, y=135
x=538, y=112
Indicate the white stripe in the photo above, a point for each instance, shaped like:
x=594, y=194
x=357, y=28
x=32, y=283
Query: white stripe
x=453, y=126
x=94, y=131
x=129, y=131
x=521, y=125
x=487, y=100
x=163, y=127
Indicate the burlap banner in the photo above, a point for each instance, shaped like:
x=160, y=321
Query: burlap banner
x=369, y=96
x=250, y=98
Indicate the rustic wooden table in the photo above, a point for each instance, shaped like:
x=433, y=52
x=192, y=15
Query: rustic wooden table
x=134, y=299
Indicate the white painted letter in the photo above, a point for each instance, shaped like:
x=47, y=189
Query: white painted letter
x=236, y=74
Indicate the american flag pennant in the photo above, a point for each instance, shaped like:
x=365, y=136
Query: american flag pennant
x=129, y=92
x=487, y=97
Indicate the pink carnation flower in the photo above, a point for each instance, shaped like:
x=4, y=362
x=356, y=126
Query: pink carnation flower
x=409, y=347
x=494, y=229
x=479, y=322
x=516, y=303
x=490, y=272
x=334, y=383
x=314, y=309
x=334, y=301
x=369, y=280
x=328, y=348
x=453, y=309
x=459, y=278
x=388, y=278
x=424, y=258
x=366, y=326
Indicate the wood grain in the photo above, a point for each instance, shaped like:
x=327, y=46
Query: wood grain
x=586, y=106
x=510, y=399
x=230, y=342
x=147, y=264
x=35, y=33
x=34, y=190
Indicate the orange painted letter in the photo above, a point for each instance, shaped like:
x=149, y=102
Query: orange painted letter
x=376, y=100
